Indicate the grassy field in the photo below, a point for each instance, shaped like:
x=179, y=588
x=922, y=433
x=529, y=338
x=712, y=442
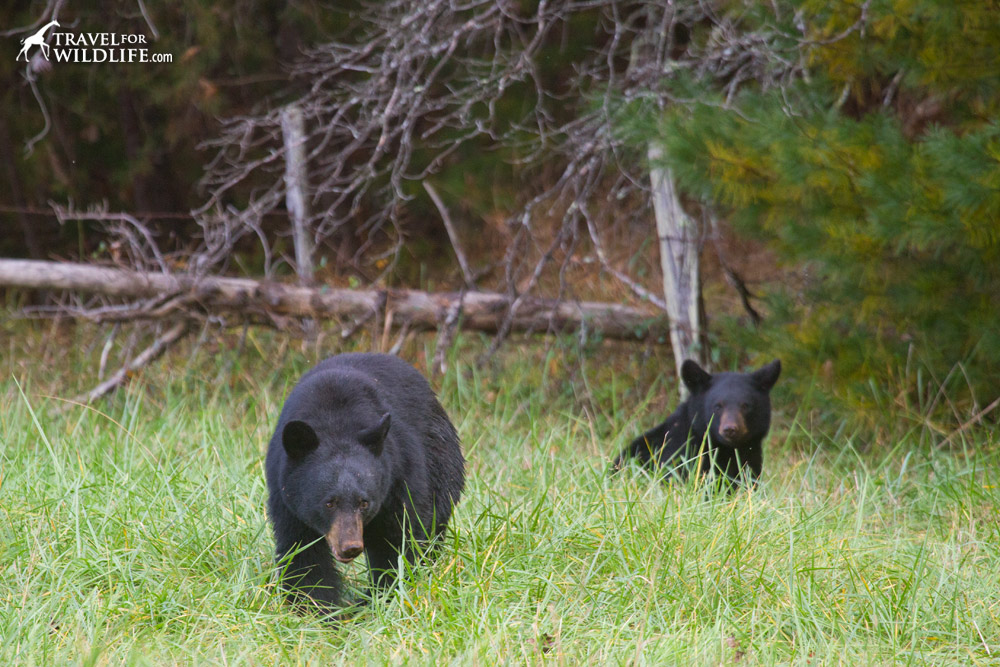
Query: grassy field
x=134, y=530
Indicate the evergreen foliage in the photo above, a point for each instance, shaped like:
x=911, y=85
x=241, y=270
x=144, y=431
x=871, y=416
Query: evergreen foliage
x=877, y=176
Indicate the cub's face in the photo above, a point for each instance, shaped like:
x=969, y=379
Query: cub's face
x=736, y=406
x=738, y=413
x=334, y=484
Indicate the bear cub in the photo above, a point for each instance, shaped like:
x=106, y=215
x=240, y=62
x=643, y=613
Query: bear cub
x=363, y=459
x=732, y=409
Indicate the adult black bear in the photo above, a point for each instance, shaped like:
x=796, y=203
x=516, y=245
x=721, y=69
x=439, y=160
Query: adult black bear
x=732, y=409
x=363, y=458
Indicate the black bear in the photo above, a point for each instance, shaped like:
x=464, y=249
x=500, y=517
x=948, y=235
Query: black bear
x=732, y=409
x=364, y=458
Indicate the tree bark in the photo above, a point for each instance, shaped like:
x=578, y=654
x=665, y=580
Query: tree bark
x=679, y=239
x=259, y=301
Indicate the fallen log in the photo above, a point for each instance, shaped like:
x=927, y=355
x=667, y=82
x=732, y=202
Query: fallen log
x=253, y=299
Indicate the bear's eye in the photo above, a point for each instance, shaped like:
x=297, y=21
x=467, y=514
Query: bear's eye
x=718, y=407
x=330, y=504
x=363, y=504
x=744, y=406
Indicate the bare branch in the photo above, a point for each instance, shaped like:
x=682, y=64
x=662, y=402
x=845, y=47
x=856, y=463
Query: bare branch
x=470, y=280
x=143, y=359
x=149, y=21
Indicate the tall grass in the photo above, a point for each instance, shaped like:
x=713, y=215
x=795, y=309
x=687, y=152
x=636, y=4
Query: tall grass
x=134, y=531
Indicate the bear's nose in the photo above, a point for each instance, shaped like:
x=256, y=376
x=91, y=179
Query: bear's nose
x=350, y=552
x=731, y=431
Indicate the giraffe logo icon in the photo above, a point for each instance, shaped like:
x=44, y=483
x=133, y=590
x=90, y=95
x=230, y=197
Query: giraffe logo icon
x=38, y=39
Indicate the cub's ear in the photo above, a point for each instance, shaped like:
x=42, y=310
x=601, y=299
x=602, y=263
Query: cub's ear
x=299, y=439
x=766, y=376
x=696, y=378
x=374, y=437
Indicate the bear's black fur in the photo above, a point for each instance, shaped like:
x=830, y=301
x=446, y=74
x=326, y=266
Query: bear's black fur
x=733, y=409
x=363, y=458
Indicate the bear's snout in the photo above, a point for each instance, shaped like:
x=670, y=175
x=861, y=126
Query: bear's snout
x=346, y=536
x=732, y=427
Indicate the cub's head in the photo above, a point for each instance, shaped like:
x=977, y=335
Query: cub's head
x=737, y=406
x=335, y=480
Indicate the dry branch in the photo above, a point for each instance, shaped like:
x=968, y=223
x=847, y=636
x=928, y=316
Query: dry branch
x=147, y=356
x=262, y=301
x=470, y=278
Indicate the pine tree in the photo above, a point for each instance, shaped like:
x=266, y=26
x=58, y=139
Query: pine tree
x=876, y=176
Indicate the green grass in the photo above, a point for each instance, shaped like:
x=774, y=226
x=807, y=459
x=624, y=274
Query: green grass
x=134, y=531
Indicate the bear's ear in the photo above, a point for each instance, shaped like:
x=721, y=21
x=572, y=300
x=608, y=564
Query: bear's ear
x=696, y=378
x=766, y=376
x=374, y=437
x=299, y=439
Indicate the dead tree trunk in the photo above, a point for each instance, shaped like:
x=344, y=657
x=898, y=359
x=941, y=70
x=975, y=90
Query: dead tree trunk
x=296, y=185
x=179, y=295
x=679, y=239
